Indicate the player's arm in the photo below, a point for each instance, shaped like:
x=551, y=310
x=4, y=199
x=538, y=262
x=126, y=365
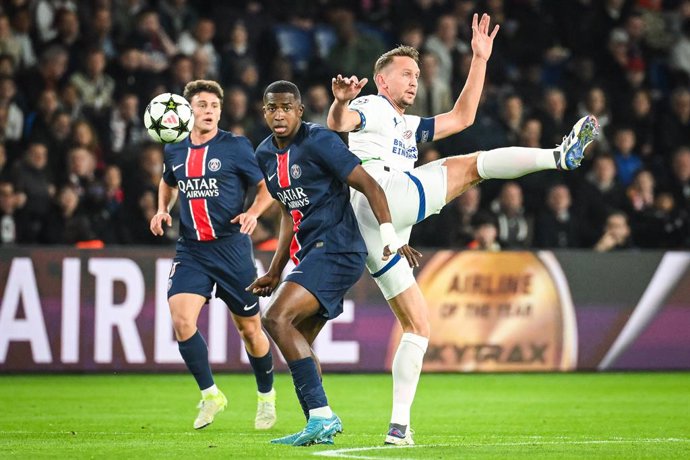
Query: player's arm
x=262, y=202
x=465, y=109
x=361, y=181
x=167, y=196
x=265, y=285
x=340, y=117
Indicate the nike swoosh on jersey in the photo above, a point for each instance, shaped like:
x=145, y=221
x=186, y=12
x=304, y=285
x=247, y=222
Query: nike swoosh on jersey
x=176, y=167
x=272, y=176
x=249, y=307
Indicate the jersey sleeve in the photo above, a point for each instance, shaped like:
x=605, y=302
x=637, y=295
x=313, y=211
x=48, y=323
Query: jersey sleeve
x=333, y=154
x=247, y=164
x=168, y=173
x=369, y=112
x=424, y=131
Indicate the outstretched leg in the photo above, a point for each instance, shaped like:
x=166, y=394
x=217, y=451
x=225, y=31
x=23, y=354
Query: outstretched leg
x=511, y=162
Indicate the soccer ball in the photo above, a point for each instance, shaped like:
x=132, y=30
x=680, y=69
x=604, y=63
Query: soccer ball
x=168, y=118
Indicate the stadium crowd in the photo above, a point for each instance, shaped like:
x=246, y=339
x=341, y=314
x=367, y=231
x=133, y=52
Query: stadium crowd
x=76, y=164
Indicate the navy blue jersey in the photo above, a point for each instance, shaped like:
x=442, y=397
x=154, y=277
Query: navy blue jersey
x=213, y=179
x=308, y=178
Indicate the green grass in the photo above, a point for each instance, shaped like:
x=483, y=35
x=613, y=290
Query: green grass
x=469, y=416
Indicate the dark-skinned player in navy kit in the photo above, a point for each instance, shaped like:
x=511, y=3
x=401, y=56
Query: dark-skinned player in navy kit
x=308, y=169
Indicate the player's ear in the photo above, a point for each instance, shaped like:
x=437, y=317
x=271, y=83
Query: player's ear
x=301, y=109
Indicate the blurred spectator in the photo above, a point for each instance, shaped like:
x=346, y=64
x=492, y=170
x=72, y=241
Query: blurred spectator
x=598, y=196
x=616, y=234
x=10, y=225
x=640, y=193
x=130, y=75
x=22, y=26
x=66, y=223
x=81, y=175
x=37, y=124
x=14, y=128
x=9, y=44
x=84, y=135
x=124, y=130
x=674, y=126
x=679, y=58
x=412, y=35
x=176, y=16
x=59, y=142
x=126, y=15
x=95, y=87
x=49, y=75
x=237, y=54
x=485, y=233
x=99, y=33
x=433, y=93
x=34, y=184
x=71, y=102
x=4, y=166
x=595, y=103
x=554, y=120
x=639, y=115
x=446, y=45
x=455, y=228
x=354, y=53
x=512, y=118
x=514, y=227
x=46, y=17
x=202, y=68
x=155, y=45
x=68, y=37
x=628, y=162
x=317, y=101
x=680, y=177
x=556, y=227
x=201, y=38
x=181, y=72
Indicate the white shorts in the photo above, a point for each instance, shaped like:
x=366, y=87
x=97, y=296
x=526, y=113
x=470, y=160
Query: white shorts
x=412, y=197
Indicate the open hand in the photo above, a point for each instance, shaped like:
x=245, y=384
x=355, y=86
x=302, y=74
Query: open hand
x=482, y=42
x=347, y=88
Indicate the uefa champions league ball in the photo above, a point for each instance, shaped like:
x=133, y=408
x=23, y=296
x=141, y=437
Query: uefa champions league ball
x=168, y=118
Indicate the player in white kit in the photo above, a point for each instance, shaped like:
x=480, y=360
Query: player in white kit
x=385, y=139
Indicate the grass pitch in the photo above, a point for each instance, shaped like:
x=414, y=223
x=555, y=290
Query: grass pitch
x=455, y=416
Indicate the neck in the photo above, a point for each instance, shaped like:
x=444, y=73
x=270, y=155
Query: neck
x=398, y=108
x=282, y=142
x=197, y=137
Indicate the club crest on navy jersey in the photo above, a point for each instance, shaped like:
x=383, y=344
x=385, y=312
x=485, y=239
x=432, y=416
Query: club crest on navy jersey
x=295, y=171
x=214, y=164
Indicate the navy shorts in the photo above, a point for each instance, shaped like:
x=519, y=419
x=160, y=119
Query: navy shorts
x=227, y=263
x=328, y=276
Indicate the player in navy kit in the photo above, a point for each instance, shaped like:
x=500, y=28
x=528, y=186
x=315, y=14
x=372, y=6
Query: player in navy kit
x=210, y=171
x=308, y=169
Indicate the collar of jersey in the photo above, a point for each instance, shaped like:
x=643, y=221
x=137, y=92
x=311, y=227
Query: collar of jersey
x=197, y=146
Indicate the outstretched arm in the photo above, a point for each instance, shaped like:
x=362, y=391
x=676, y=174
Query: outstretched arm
x=166, y=199
x=361, y=181
x=340, y=117
x=262, y=202
x=465, y=108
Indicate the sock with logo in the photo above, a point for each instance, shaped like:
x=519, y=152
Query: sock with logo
x=302, y=402
x=263, y=371
x=512, y=162
x=195, y=355
x=307, y=381
x=407, y=365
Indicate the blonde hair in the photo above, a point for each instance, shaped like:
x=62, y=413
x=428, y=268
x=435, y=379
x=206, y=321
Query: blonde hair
x=387, y=57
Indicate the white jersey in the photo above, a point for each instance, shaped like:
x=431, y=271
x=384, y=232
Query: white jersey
x=386, y=135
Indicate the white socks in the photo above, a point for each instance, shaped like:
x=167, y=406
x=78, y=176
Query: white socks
x=324, y=411
x=512, y=162
x=210, y=391
x=407, y=365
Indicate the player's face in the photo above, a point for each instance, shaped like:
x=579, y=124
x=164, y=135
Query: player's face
x=206, y=108
x=283, y=114
x=399, y=81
